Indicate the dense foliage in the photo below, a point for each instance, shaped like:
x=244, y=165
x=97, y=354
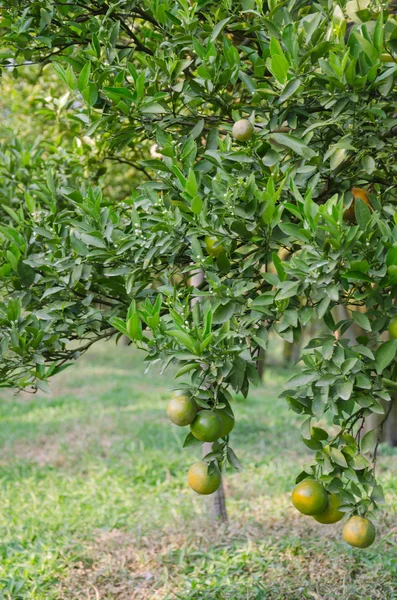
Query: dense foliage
x=261, y=220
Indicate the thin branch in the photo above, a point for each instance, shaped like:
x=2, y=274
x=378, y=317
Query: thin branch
x=128, y=162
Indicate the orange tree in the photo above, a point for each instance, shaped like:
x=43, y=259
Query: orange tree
x=275, y=131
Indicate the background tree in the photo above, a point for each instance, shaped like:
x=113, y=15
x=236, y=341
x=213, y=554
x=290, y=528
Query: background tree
x=274, y=123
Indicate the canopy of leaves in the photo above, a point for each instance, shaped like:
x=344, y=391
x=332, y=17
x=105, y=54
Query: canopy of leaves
x=318, y=82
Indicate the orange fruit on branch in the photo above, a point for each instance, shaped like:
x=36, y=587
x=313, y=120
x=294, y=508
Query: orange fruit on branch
x=201, y=481
x=359, y=532
x=243, y=130
x=181, y=410
x=212, y=245
x=227, y=420
x=207, y=426
x=331, y=514
x=310, y=497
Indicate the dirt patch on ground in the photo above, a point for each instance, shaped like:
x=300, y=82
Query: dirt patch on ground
x=121, y=567
x=59, y=450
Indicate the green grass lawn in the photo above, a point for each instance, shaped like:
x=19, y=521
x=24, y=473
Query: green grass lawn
x=95, y=504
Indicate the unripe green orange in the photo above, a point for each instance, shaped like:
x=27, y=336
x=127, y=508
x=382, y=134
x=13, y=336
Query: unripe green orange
x=207, y=426
x=227, y=420
x=393, y=328
x=212, y=245
x=359, y=532
x=181, y=410
x=201, y=481
x=392, y=270
x=243, y=130
x=331, y=514
x=310, y=497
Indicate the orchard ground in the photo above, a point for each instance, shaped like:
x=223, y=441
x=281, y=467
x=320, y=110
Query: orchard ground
x=95, y=502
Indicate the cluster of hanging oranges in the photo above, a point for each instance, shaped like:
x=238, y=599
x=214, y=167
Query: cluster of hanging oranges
x=206, y=425
x=311, y=498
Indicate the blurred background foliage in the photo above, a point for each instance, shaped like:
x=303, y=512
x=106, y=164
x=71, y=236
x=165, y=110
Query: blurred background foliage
x=43, y=143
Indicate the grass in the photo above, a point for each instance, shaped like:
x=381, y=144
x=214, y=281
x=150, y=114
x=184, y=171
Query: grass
x=94, y=501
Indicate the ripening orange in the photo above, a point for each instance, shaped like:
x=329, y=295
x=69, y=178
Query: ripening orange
x=243, y=130
x=350, y=214
x=310, y=497
x=331, y=514
x=181, y=410
x=201, y=481
x=359, y=532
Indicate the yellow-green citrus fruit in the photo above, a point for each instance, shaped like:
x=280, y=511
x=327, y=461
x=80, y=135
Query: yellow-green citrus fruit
x=227, y=420
x=243, y=130
x=359, y=532
x=392, y=271
x=331, y=514
x=212, y=245
x=393, y=328
x=181, y=410
x=207, y=426
x=310, y=497
x=201, y=481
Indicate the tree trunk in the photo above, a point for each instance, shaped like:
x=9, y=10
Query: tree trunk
x=216, y=501
x=290, y=353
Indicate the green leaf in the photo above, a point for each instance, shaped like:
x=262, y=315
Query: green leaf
x=290, y=89
x=118, y=324
x=223, y=313
x=368, y=441
x=184, y=338
x=369, y=165
x=191, y=441
x=301, y=379
x=344, y=389
x=338, y=458
x=363, y=213
x=196, y=205
x=279, y=66
x=233, y=460
x=368, y=48
x=154, y=108
x=191, y=184
x=218, y=28
x=294, y=143
x=378, y=32
x=360, y=463
x=378, y=495
x=84, y=77
x=361, y=320
x=384, y=355
x=134, y=327
x=90, y=94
